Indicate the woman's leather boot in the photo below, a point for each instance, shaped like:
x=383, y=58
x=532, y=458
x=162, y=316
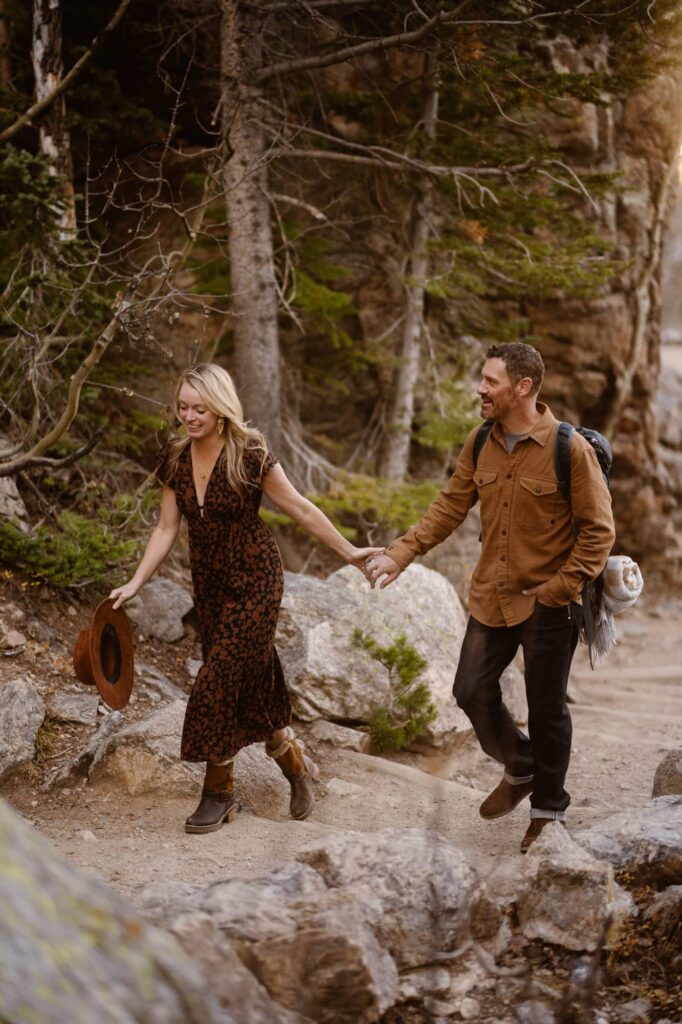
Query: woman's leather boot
x=217, y=799
x=300, y=771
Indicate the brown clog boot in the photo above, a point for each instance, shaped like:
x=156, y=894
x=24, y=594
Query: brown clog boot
x=217, y=800
x=300, y=771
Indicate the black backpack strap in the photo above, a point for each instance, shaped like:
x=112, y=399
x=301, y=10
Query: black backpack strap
x=562, y=458
x=482, y=435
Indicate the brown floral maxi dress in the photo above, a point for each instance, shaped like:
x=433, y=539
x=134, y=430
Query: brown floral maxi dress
x=239, y=696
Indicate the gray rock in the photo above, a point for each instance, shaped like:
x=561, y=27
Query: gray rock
x=74, y=707
x=11, y=504
x=415, y=889
x=340, y=736
x=11, y=640
x=145, y=757
x=668, y=776
x=634, y=1012
x=151, y=681
x=232, y=983
x=193, y=665
x=568, y=897
x=74, y=951
x=329, y=678
x=39, y=631
x=332, y=969
x=647, y=841
x=91, y=753
x=327, y=936
x=159, y=607
x=22, y=712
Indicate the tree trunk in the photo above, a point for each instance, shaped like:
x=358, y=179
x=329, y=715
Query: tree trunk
x=54, y=137
x=396, y=452
x=254, y=298
x=5, y=66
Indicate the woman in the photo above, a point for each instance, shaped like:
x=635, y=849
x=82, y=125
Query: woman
x=214, y=477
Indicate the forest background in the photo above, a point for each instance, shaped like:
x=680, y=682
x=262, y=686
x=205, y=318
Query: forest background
x=343, y=202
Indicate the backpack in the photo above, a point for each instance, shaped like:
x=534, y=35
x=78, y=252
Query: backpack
x=593, y=590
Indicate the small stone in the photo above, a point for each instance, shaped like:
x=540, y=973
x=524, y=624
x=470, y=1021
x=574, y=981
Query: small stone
x=193, y=665
x=87, y=836
x=13, y=638
x=635, y=1011
x=71, y=611
x=469, y=1008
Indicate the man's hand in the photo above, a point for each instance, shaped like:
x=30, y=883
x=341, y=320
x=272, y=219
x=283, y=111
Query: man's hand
x=542, y=596
x=377, y=566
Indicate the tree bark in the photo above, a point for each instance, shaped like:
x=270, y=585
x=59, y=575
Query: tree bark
x=54, y=137
x=5, y=66
x=394, y=463
x=254, y=298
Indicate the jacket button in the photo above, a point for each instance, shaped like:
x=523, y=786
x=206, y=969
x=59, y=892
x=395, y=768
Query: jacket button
x=509, y=476
x=504, y=533
x=503, y=558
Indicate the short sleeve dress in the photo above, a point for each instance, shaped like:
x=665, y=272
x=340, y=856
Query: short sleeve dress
x=239, y=696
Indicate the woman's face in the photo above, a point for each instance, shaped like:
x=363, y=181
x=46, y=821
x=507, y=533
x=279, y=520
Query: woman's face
x=199, y=421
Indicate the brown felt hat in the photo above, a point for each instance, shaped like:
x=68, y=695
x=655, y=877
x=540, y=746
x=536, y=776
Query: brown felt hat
x=103, y=655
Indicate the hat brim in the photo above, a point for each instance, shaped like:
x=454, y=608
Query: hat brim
x=111, y=654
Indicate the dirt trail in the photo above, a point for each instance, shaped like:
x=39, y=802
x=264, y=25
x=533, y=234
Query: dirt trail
x=628, y=714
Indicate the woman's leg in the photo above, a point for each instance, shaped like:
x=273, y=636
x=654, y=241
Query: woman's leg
x=297, y=767
x=217, y=799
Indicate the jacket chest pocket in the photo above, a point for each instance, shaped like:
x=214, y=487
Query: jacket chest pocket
x=485, y=481
x=539, y=502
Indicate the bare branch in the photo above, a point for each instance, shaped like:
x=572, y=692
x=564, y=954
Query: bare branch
x=26, y=462
x=370, y=46
x=288, y=67
x=29, y=116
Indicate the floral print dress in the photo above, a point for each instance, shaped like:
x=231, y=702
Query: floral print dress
x=239, y=696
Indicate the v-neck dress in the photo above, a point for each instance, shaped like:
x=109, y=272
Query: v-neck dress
x=239, y=696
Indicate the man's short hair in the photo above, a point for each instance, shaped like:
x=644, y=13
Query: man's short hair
x=520, y=361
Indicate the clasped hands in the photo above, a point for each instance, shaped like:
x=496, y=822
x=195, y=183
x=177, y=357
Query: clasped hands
x=380, y=564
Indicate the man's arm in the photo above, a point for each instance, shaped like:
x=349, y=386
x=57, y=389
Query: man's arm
x=443, y=515
x=593, y=519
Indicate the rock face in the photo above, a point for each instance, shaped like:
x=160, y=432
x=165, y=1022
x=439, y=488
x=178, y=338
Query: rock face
x=330, y=678
x=328, y=936
x=602, y=354
x=22, y=711
x=73, y=951
x=159, y=607
x=648, y=842
x=568, y=897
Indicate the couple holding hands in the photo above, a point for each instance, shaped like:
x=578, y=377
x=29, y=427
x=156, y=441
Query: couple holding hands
x=536, y=551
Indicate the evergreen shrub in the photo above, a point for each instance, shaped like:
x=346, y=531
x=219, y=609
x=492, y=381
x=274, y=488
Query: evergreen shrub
x=411, y=706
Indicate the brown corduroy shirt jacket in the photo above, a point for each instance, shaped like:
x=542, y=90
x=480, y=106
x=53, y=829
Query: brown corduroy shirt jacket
x=529, y=534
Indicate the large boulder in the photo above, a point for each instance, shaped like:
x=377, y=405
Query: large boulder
x=646, y=841
x=22, y=712
x=568, y=897
x=145, y=757
x=74, y=951
x=159, y=608
x=330, y=678
x=329, y=936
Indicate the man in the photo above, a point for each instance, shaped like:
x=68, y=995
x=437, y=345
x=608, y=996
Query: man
x=537, y=551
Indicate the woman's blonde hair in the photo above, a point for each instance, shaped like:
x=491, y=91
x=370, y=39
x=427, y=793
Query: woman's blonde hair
x=217, y=391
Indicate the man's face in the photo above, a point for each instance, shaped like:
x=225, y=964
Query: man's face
x=497, y=392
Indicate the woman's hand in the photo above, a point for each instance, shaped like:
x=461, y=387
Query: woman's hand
x=358, y=557
x=124, y=593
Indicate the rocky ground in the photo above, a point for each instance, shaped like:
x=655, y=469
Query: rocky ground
x=627, y=716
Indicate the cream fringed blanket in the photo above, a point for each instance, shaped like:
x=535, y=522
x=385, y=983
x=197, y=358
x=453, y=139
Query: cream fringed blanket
x=622, y=586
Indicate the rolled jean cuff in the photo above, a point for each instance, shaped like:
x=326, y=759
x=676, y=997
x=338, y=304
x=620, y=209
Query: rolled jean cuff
x=517, y=780
x=537, y=812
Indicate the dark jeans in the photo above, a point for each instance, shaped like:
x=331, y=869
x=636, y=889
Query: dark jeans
x=548, y=639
